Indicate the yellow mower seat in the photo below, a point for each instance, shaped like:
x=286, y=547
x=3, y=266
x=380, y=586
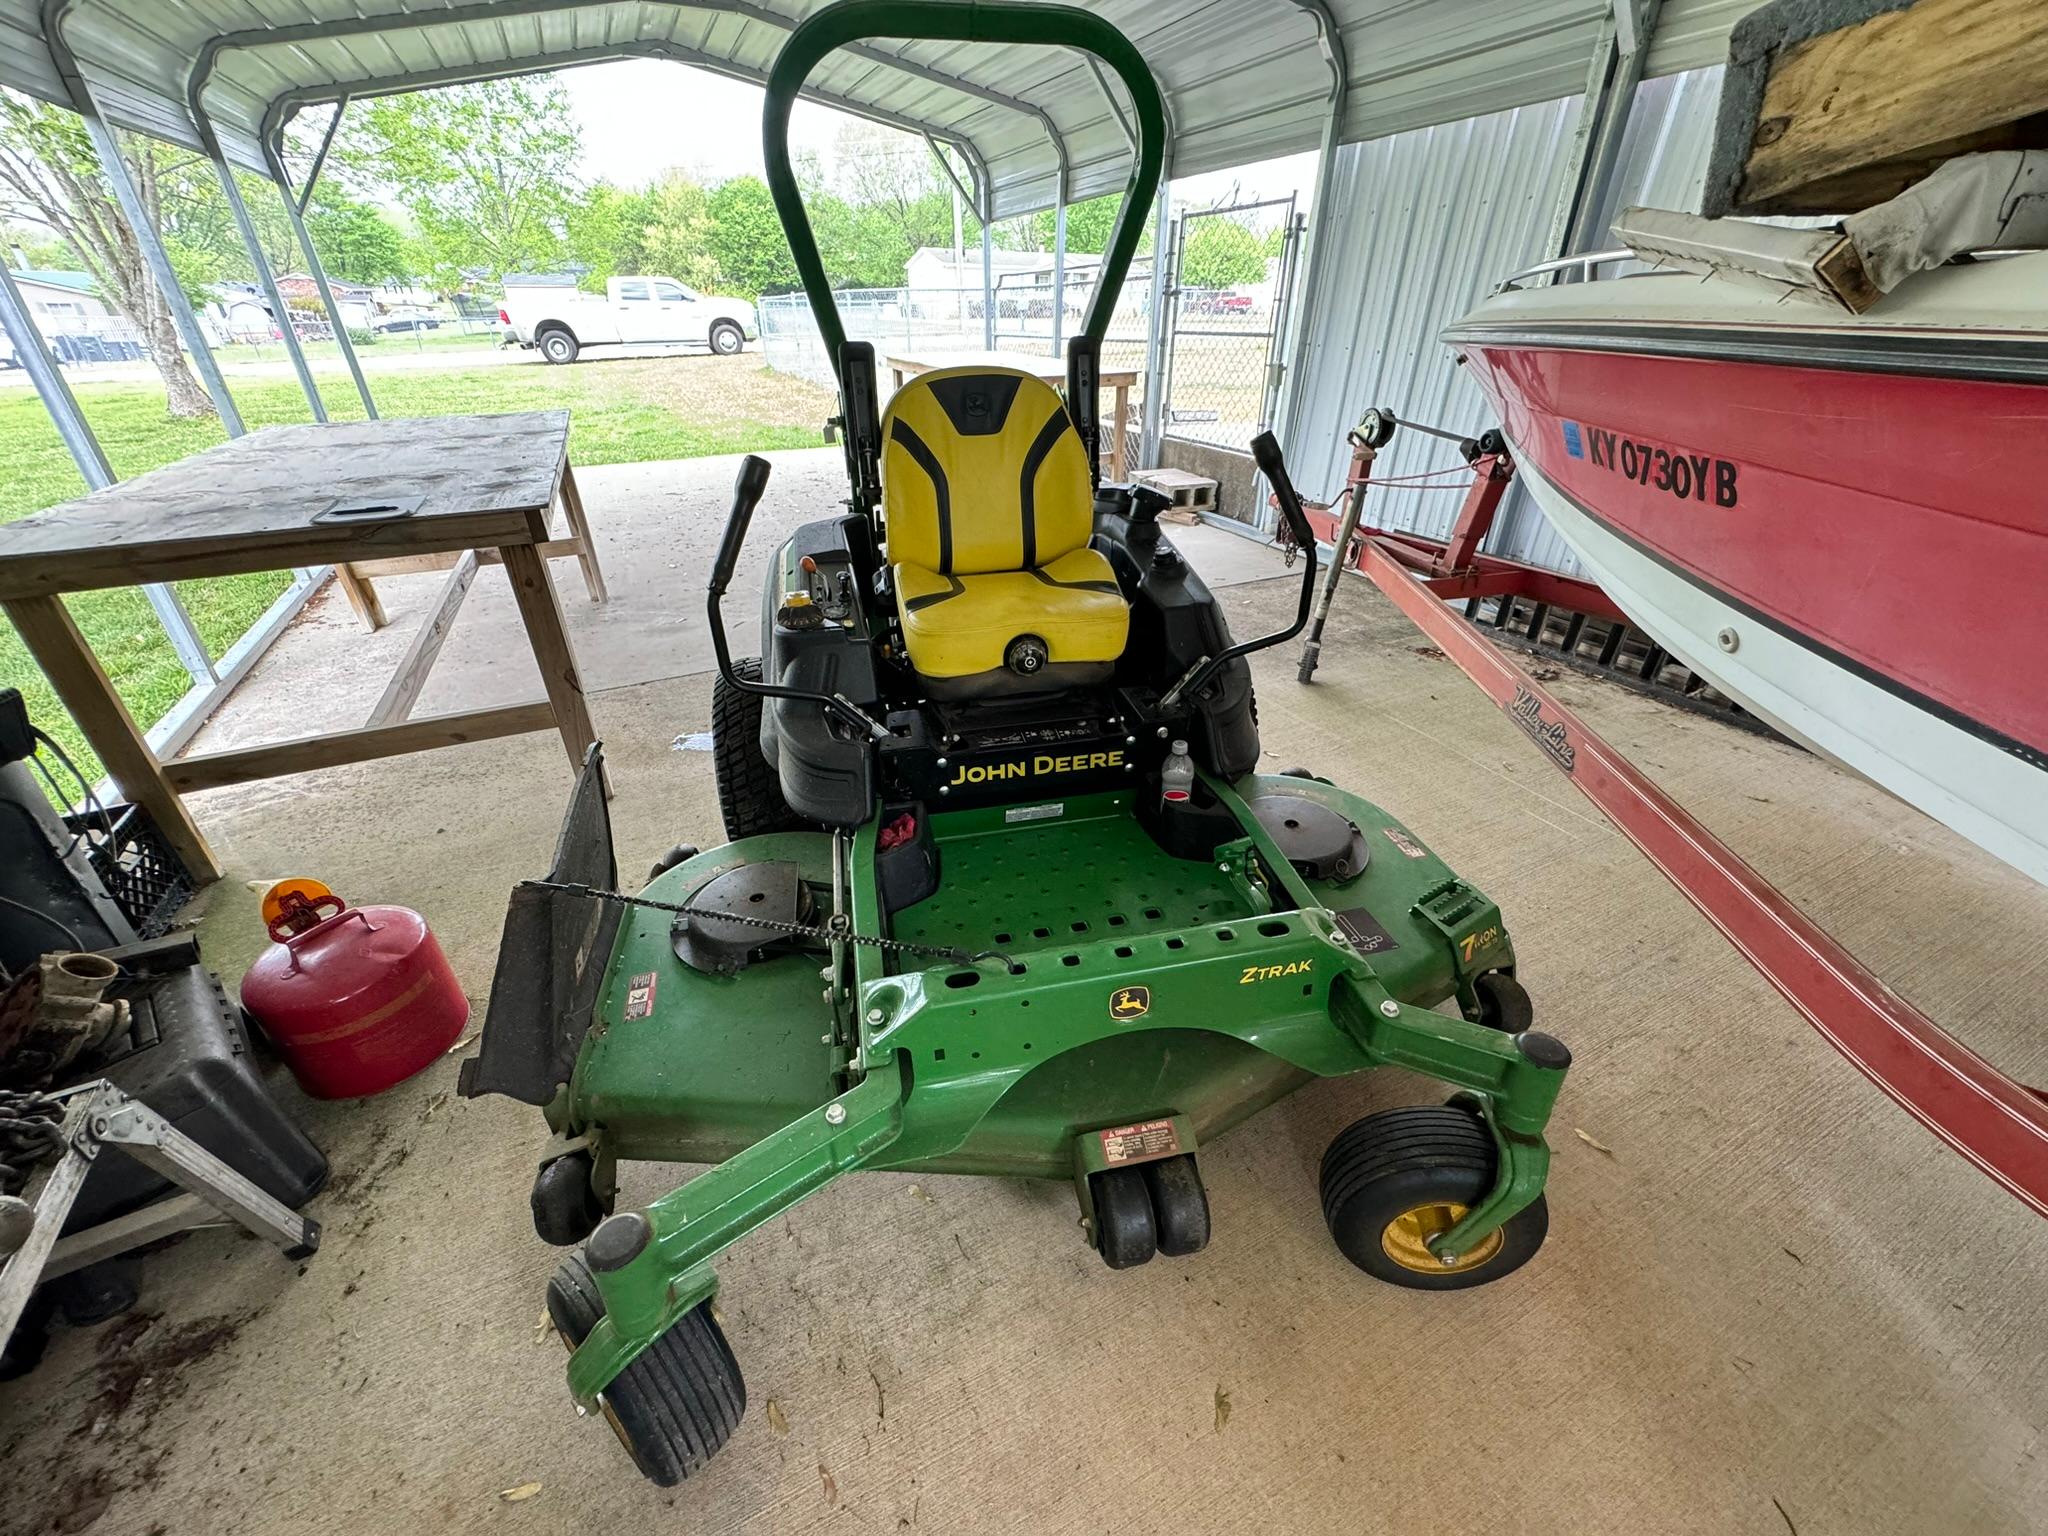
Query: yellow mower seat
x=988, y=504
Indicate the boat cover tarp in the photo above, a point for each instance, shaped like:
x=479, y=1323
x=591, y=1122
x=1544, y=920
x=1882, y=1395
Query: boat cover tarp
x=1994, y=201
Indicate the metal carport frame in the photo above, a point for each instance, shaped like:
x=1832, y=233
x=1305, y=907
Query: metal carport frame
x=1198, y=42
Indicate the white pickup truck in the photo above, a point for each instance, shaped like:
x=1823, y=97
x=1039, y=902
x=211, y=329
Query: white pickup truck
x=635, y=311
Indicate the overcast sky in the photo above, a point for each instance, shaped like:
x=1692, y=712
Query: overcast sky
x=642, y=116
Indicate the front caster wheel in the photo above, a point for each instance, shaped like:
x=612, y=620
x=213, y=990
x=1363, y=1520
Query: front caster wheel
x=677, y=1404
x=1180, y=1206
x=1504, y=1003
x=566, y=1208
x=1125, y=1234
x=681, y=853
x=1396, y=1179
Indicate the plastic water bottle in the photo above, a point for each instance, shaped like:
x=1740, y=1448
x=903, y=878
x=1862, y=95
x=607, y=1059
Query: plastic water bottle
x=1177, y=777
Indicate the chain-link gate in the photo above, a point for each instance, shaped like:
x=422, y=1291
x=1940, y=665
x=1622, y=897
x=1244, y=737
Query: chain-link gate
x=1231, y=281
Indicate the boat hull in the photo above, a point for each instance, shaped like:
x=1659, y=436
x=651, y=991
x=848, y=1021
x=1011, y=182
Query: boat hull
x=1857, y=555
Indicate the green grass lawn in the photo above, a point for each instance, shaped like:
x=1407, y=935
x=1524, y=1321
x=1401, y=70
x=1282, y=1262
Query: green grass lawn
x=623, y=411
x=450, y=337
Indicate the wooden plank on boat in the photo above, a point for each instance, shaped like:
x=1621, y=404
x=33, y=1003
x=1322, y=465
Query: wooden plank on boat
x=1834, y=108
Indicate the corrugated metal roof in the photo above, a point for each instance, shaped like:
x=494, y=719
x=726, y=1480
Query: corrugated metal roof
x=1428, y=222
x=1244, y=79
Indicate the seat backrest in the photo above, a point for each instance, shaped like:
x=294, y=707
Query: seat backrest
x=982, y=470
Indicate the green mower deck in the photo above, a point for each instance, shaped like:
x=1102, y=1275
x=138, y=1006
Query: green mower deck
x=1132, y=988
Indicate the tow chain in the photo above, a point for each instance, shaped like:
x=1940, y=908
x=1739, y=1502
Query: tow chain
x=31, y=1132
x=837, y=927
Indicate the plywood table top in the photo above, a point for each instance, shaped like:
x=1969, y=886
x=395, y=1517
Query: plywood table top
x=269, y=500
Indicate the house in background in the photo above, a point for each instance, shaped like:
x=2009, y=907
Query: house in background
x=237, y=312
x=937, y=287
x=78, y=324
x=353, y=300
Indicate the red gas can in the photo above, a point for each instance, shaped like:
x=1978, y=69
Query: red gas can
x=354, y=998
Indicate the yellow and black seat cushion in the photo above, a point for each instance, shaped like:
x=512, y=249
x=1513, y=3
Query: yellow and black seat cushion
x=989, y=507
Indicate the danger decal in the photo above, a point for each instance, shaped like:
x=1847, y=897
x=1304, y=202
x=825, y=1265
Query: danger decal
x=1141, y=1143
x=1685, y=476
x=640, y=996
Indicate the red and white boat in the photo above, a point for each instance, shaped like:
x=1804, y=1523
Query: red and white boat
x=1839, y=519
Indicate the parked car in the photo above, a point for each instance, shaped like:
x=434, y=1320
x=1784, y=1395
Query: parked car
x=401, y=320
x=561, y=322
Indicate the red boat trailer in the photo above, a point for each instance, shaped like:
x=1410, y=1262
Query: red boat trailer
x=1452, y=568
x=1998, y=1124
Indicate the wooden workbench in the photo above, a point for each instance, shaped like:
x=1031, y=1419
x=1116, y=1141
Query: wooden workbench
x=1053, y=370
x=447, y=491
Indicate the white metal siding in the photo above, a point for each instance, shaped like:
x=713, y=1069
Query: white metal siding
x=1425, y=224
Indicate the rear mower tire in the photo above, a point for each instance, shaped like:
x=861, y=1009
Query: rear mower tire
x=1180, y=1206
x=1396, y=1178
x=1504, y=1003
x=749, y=790
x=566, y=1208
x=1125, y=1233
x=677, y=1404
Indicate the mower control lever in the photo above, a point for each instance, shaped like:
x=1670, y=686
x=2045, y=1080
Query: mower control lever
x=1266, y=453
x=746, y=495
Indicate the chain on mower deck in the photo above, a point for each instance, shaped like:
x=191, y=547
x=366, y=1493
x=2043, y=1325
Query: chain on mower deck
x=838, y=927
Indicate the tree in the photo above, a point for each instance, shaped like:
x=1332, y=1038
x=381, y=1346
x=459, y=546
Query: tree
x=356, y=242
x=883, y=200
x=1221, y=253
x=606, y=231
x=50, y=176
x=484, y=171
x=675, y=232
x=746, y=240
x=1089, y=225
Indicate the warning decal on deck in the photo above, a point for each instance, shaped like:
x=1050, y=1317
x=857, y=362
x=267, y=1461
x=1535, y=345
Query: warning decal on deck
x=1367, y=934
x=1405, y=843
x=1141, y=1143
x=640, y=996
x=1035, y=812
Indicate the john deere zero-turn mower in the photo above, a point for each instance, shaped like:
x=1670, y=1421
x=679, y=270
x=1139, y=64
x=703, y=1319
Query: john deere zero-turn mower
x=1004, y=892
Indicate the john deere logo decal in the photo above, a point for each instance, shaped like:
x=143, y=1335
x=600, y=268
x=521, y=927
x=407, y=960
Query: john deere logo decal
x=1130, y=1002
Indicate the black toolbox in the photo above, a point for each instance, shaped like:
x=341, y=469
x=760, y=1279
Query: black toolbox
x=187, y=1056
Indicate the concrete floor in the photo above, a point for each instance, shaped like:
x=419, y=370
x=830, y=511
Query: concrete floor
x=1769, y=1302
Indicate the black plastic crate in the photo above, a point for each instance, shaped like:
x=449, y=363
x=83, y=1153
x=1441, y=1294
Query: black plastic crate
x=143, y=873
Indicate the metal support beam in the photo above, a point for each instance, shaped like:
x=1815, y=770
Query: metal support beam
x=286, y=330
x=34, y=355
x=1635, y=24
x=1059, y=266
x=209, y=141
x=320, y=154
x=1592, y=103
x=1613, y=73
x=1116, y=107
x=108, y=150
x=1154, y=420
x=1323, y=215
x=319, y=274
x=988, y=268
